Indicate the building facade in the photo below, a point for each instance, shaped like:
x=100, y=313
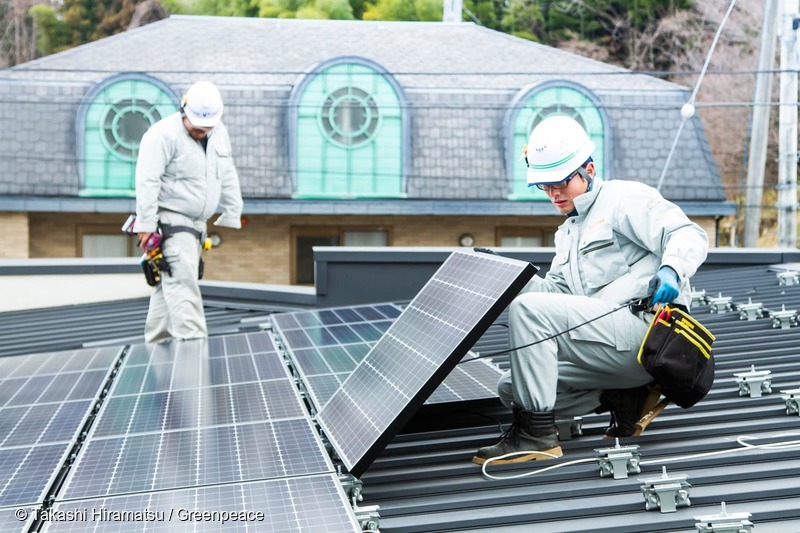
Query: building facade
x=344, y=133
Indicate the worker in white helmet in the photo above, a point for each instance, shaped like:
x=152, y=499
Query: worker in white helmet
x=184, y=173
x=621, y=240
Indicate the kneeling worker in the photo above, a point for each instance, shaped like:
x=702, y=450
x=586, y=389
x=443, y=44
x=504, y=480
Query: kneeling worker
x=183, y=174
x=621, y=240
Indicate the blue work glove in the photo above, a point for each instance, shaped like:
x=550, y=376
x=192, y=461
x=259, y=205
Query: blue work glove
x=664, y=287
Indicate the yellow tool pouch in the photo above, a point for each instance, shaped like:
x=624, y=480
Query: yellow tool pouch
x=676, y=351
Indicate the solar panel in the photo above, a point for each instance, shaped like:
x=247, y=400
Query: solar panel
x=199, y=412
x=418, y=350
x=312, y=503
x=16, y=519
x=326, y=346
x=45, y=400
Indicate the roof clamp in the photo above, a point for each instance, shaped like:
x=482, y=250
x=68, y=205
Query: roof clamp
x=569, y=427
x=784, y=319
x=792, y=399
x=720, y=304
x=789, y=277
x=698, y=297
x=352, y=487
x=750, y=310
x=666, y=492
x=619, y=461
x=724, y=522
x=368, y=517
x=754, y=383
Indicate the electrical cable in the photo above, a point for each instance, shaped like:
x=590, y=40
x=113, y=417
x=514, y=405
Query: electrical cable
x=687, y=111
x=742, y=440
x=635, y=301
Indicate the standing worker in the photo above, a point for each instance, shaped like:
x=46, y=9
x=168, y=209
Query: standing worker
x=621, y=241
x=184, y=173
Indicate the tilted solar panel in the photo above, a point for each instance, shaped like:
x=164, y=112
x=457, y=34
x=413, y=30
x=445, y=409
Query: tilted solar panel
x=419, y=349
x=327, y=345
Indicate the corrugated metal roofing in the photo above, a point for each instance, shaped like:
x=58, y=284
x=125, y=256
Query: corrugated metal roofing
x=424, y=480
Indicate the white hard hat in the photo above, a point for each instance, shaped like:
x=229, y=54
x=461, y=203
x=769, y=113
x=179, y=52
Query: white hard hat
x=202, y=104
x=557, y=147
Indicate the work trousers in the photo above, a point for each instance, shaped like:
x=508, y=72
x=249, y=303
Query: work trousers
x=176, y=305
x=566, y=374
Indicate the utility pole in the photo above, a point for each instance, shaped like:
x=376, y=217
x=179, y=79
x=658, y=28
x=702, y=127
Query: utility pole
x=452, y=10
x=787, y=128
x=759, y=129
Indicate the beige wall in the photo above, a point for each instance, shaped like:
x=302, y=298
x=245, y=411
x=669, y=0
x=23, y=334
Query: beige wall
x=261, y=251
x=14, y=235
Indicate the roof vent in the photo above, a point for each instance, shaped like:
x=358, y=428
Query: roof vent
x=754, y=383
x=784, y=319
x=698, y=297
x=750, y=310
x=724, y=522
x=789, y=277
x=619, y=461
x=720, y=304
x=569, y=427
x=666, y=492
x=792, y=399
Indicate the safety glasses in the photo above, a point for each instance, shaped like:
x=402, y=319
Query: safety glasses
x=557, y=186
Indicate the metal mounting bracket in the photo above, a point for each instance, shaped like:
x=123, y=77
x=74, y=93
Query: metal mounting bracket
x=750, y=310
x=784, y=319
x=667, y=492
x=724, y=522
x=619, y=461
x=789, y=277
x=698, y=297
x=569, y=427
x=754, y=383
x=352, y=487
x=368, y=517
x=792, y=399
x=720, y=304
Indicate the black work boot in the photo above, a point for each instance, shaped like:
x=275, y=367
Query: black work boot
x=530, y=432
x=627, y=407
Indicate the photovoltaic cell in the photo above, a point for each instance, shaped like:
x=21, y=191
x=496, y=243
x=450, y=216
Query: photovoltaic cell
x=12, y=522
x=192, y=413
x=419, y=349
x=45, y=400
x=309, y=503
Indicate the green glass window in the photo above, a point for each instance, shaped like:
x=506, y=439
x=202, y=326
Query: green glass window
x=349, y=134
x=540, y=104
x=115, y=117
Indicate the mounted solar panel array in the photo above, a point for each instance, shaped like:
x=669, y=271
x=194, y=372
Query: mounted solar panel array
x=417, y=352
x=183, y=416
x=45, y=400
x=326, y=346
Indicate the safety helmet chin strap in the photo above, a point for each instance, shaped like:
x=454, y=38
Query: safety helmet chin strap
x=585, y=175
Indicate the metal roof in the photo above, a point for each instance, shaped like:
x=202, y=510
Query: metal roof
x=424, y=480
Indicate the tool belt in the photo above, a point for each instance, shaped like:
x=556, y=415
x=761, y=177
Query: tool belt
x=676, y=351
x=168, y=231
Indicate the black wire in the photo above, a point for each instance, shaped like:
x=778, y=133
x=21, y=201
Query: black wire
x=635, y=302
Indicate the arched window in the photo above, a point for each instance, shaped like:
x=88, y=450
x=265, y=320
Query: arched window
x=348, y=126
x=535, y=104
x=111, y=120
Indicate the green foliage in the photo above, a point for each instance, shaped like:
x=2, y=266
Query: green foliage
x=418, y=10
x=51, y=32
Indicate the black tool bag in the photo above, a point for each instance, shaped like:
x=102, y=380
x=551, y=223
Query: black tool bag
x=676, y=351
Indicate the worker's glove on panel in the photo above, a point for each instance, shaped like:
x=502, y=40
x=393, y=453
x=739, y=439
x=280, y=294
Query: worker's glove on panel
x=486, y=251
x=663, y=288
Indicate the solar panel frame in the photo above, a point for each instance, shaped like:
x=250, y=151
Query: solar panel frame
x=359, y=420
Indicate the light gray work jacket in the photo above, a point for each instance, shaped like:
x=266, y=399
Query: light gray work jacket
x=623, y=233
x=174, y=173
